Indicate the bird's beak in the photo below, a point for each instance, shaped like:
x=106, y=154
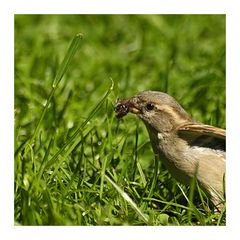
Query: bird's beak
x=124, y=106
x=134, y=110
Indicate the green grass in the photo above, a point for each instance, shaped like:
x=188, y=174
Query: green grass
x=75, y=163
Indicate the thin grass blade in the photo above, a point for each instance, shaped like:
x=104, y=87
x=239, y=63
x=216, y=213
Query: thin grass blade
x=76, y=137
x=62, y=70
x=129, y=200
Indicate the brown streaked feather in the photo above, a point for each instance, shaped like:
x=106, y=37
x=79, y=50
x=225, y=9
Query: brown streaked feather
x=203, y=136
x=199, y=129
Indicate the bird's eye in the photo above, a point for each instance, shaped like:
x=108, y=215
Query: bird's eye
x=150, y=106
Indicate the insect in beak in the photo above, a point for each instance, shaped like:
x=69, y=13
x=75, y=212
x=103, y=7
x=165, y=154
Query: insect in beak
x=123, y=107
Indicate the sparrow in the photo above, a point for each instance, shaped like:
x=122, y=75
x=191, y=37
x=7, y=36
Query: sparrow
x=188, y=148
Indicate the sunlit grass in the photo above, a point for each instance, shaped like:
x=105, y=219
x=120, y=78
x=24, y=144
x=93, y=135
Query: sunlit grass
x=75, y=163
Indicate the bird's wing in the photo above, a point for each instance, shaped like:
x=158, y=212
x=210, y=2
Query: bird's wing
x=203, y=135
x=200, y=129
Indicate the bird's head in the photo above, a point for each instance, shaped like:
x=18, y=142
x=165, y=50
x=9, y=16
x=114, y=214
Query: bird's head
x=158, y=110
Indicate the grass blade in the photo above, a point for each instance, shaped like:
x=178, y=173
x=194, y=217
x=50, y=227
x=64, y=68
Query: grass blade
x=154, y=181
x=74, y=139
x=129, y=200
x=62, y=70
x=67, y=59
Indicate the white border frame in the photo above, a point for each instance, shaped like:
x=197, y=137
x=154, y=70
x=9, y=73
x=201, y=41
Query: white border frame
x=11, y=7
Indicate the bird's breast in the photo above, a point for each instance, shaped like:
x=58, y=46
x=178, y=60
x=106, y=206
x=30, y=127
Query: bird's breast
x=166, y=147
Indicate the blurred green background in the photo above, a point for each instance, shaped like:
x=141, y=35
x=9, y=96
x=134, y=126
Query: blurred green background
x=183, y=55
